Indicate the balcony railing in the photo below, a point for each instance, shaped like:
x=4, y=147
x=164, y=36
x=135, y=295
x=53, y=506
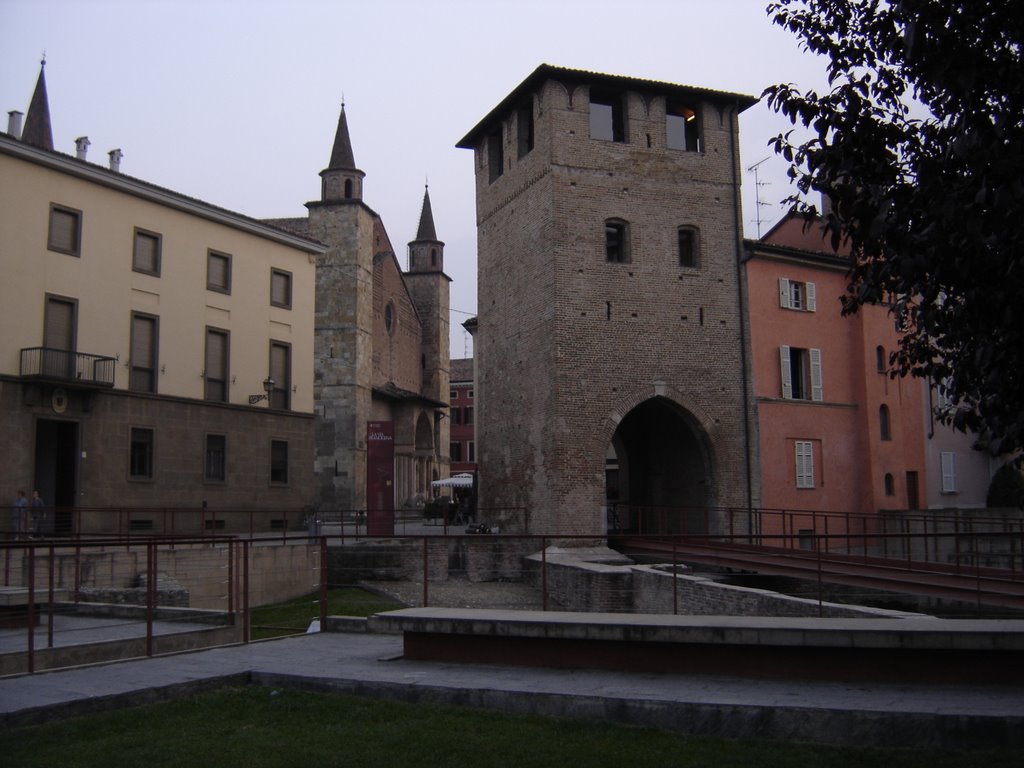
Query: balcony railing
x=50, y=364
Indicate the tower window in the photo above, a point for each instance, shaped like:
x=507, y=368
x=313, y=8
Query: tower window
x=688, y=247
x=495, y=155
x=607, y=116
x=884, y=423
x=616, y=241
x=881, y=361
x=890, y=486
x=524, y=129
x=682, y=127
x=348, y=189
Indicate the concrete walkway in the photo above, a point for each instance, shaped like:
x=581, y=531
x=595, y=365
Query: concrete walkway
x=370, y=664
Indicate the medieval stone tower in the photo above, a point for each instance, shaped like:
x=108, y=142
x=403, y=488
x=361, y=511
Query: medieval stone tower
x=381, y=350
x=611, y=345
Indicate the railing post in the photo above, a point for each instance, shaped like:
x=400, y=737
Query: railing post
x=245, y=591
x=675, y=579
x=31, y=609
x=426, y=572
x=150, y=595
x=323, y=583
x=544, y=572
x=49, y=602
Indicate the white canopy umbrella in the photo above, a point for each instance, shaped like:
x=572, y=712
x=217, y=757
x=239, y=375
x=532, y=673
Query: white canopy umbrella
x=463, y=480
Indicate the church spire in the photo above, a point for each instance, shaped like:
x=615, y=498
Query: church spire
x=37, y=122
x=425, y=231
x=341, y=153
x=426, y=252
x=341, y=180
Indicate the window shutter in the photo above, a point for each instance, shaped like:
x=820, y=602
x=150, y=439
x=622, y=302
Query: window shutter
x=948, y=472
x=811, y=301
x=804, y=464
x=816, y=389
x=787, y=373
x=59, y=330
x=216, y=347
x=784, y=293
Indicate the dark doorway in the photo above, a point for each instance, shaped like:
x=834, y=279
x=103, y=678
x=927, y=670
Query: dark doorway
x=913, y=498
x=57, y=471
x=663, y=477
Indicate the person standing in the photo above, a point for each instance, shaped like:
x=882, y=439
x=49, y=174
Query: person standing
x=19, y=515
x=38, y=510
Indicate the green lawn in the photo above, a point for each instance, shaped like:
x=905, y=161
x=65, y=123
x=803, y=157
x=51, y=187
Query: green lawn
x=262, y=727
x=293, y=617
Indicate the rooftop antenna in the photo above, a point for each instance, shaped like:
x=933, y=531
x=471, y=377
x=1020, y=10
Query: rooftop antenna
x=757, y=193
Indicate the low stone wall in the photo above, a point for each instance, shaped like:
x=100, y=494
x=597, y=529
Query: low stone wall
x=600, y=580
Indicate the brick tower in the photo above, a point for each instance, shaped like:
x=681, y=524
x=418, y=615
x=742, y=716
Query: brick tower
x=611, y=347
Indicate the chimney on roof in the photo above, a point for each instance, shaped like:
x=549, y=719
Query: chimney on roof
x=115, y=160
x=14, y=123
x=82, y=147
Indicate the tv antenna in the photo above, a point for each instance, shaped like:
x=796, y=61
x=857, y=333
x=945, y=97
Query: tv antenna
x=757, y=194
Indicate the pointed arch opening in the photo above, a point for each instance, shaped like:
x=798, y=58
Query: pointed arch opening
x=658, y=471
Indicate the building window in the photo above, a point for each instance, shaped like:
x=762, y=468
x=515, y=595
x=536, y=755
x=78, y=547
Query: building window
x=143, y=361
x=948, y=460
x=688, y=247
x=279, y=462
x=146, y=252
x=890, y=486
x=453, y=395
x=524, y=129
x=140, y=457
x=218, y=272
x=215, y=466
x=456, y=451
x=389, y=317
x=884, y=425
x=60, y=331
x=469, y=394
x=281, y=288
x=682, y=127
x=471, y=446
x=616, y=241
x=468, y=416
x=281, y=373
x=216, y=375
x=797, y=295
x=495, y=155
x=804, y=464
x=607, y=116
x=65, y=233
x=456, y=416
x=801, y=373
x=881, y=361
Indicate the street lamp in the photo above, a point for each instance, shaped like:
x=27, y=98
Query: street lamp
x=268, y=387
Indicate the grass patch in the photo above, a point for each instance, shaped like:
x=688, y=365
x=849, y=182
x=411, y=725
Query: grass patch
x=292, y=617
x=265, y=728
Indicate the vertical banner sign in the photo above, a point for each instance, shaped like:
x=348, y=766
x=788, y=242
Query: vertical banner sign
x=380, y=478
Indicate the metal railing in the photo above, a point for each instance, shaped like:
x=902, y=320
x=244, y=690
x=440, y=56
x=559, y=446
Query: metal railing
x=63, y=365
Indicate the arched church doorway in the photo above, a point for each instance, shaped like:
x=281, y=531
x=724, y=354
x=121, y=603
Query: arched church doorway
x=658, y=471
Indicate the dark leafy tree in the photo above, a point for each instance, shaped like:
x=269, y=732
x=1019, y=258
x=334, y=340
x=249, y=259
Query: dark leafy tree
x=918, y=146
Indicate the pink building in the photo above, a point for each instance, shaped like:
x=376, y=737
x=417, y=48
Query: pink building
x=837, y=434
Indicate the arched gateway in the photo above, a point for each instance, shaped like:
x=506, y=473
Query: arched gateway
x=659, y=472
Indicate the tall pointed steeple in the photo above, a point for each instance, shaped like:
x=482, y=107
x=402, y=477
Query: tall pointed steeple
x=425, y=231
x=37, y=122
x=341, y=180
x=426, y=252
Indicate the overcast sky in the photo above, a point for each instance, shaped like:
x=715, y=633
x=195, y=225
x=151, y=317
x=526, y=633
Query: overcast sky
x=235, y=102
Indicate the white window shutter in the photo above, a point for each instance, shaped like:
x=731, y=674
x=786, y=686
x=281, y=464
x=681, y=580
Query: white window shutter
x=804, y=464
x=811, y=302
x=948, y=472
x=784, y=293
x=787, y=373
x=816, y=388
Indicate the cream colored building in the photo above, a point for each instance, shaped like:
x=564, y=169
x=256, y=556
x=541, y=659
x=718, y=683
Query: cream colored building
x=139, y=328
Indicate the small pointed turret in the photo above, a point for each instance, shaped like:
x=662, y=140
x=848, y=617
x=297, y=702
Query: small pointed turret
x=341, y=180
x=37, y=130
x=426, y=252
